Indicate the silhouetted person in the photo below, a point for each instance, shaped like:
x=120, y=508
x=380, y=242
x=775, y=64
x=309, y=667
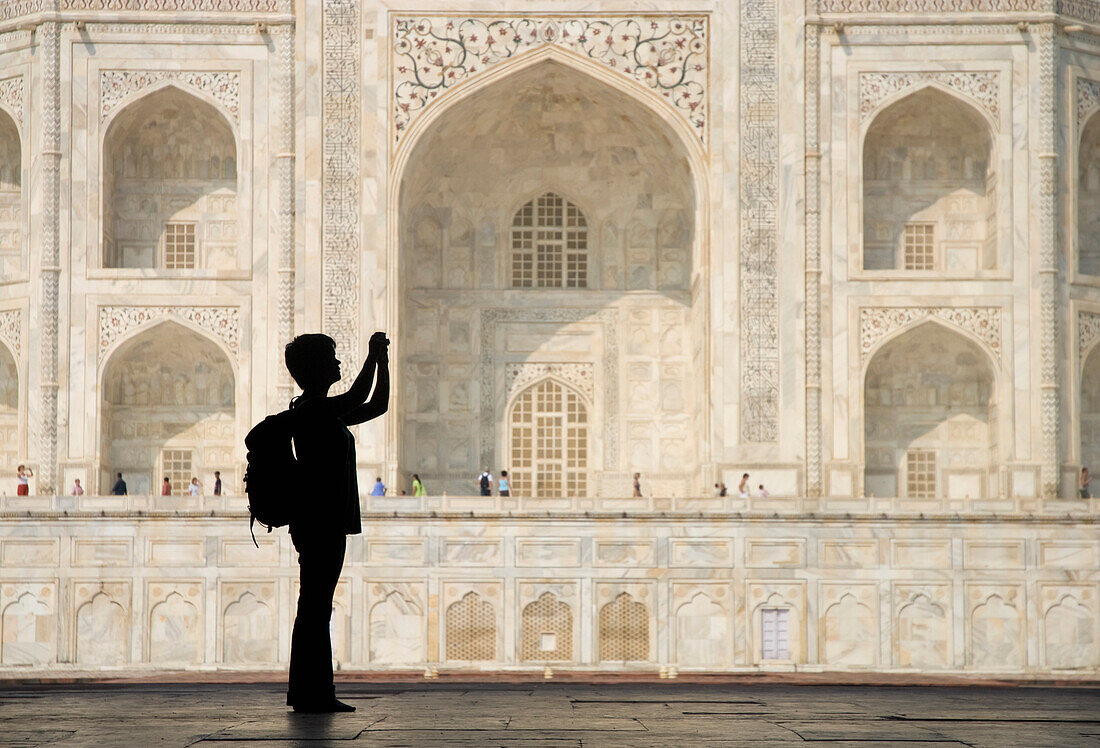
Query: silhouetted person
x=119, y=488
x=325, y=449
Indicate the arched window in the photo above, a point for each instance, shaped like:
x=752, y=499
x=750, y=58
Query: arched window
x=549, y=244
x=549, y=435
x=929, y=200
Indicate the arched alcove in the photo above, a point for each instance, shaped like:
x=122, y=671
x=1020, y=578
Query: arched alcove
x=170, y=185
x=11, y=198
x=167, y=409
x=929, y=187
x=540, y=160
x=1090, y=411
x=1088, y=198
x=9, y=410
x=930, y=417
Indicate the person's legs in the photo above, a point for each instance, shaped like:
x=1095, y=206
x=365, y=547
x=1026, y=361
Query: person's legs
x=320, y=557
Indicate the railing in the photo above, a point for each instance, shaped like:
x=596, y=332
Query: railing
x=713, y=506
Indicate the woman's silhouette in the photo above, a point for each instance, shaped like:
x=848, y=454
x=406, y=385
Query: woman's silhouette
x=325, y=449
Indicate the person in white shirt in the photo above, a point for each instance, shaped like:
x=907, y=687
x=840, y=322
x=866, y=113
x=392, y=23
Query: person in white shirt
x=78, y=490
x=743, y=487
x=195, y=487
x=485, y=482
x=761, y=492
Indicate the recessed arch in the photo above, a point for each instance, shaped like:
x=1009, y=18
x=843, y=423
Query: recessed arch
x=531, y=127
x=170, y=161
x=929, y=185
x=10, y=381
x=167, y=409
x=1088, y=196
x=11, y=197
x=1089, y=409
x=930, y=415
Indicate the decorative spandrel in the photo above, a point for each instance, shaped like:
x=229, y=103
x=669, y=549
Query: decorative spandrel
x=666, y=54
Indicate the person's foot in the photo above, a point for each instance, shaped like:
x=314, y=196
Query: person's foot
x=324, y=707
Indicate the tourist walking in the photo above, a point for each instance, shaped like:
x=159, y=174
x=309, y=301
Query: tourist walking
x=379, y=488
x=217, y=483
x=721, y=489
x=504, y=487
x=485, y=482
x=195, y=487
x=23, y=475
x=418, y=486
x=743, y=486
x=166, y=487
x=1086, y=479
x=119, y=488
x=637, y=484
x=78, y=490
x=325, y=448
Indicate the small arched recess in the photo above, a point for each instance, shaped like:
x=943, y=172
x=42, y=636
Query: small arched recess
x=170, y=185
x=929, y=187
x=930, y=417
x=167, y=410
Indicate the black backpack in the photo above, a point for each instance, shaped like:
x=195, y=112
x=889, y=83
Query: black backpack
x=272, y=479
x=484, y=481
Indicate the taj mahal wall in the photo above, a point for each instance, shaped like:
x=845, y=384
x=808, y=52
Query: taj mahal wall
x=847, y=247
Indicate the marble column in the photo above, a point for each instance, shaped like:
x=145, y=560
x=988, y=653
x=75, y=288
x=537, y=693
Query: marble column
x=814, y=485
x=284, y=55
x=1047, y=52
x=48, y=37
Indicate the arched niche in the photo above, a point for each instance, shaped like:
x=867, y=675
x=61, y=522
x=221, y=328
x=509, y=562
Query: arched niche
x=930, y=417
x=1088, y=198
x=11, y=198
x=548, y=441
x=170, y=185
x=1090, y=411
x=929, y=187
x=544, y=129
x=168, y=408
x=9, y=410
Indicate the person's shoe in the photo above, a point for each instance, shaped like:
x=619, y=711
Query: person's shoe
x=323, y=707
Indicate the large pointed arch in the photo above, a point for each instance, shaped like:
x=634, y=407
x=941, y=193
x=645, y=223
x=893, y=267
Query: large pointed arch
x=549, y=439
x=459, y=115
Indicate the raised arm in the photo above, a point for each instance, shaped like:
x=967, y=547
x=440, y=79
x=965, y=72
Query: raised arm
x=379, y=401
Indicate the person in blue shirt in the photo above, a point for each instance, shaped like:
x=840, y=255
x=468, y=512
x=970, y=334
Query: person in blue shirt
x=379, y=488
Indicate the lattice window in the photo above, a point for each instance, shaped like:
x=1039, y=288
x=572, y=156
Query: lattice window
x=176, y=465
x=179, y=246
x=919, y=246
x=547, y=631
x=775, y=634
x=624, y=630
x=549, y=435
x=920, y=473
x=549, y=244
x=471, y=629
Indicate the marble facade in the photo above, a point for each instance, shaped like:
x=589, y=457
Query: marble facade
x=846, y=246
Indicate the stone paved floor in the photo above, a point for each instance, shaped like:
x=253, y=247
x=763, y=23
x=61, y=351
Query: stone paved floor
x=533, y=715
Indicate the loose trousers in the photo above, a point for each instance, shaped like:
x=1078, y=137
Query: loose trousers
x=320, y=559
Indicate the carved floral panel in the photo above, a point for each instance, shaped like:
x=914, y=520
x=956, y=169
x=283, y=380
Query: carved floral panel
x=222, y=321
x=518, y=376
x=876, y=323
x=224, y=86
x=11, y=96
x=11, y=329
x=982, y=87
x=665, y=54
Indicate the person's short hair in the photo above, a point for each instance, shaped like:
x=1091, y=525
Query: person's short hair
x=761, y=485
x=378, y=479
x=302, y=353
x=166, y=479
x=217, y=472
x=504, y=472
x=21, y=467
x=120, y=475
x=746, y=475
x=76, y=480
